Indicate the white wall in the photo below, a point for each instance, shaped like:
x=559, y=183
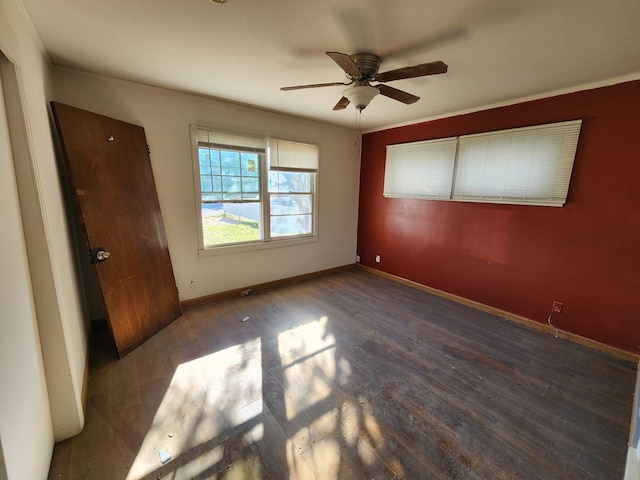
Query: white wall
x=25, y=423
x=55, y=293
x=166, y=116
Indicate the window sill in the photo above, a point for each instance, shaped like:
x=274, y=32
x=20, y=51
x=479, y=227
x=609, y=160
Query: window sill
x=250, y=247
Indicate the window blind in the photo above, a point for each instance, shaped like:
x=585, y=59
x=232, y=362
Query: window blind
x=420, y=169
x=529, y=165
x=292, y=156
x=220, y=140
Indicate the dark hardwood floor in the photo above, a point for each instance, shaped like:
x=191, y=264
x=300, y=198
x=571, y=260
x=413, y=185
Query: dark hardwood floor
x=350, y=376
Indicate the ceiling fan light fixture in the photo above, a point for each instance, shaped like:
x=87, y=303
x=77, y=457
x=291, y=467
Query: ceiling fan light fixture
x=361, y=95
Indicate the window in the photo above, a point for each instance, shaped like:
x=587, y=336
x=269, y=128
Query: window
x=292, y=173
x=253, y=190
x=530, y=165
x=420, y=169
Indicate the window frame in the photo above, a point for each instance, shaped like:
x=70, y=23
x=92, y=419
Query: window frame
x=266, y=240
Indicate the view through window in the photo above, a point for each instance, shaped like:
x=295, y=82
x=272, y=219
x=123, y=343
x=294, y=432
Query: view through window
x=254, y=189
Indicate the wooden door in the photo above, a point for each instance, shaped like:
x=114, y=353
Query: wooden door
x=110, y=173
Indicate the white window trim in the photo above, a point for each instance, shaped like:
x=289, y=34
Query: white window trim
x=257, y=245
x=267, y=242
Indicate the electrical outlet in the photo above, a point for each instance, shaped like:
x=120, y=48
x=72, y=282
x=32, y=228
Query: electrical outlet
x=194, y=283
x=556, y=307
x=377, y=258
x=358, y=258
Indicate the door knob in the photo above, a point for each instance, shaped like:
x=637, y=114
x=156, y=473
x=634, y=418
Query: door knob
x=97, y=255
x=102, y=255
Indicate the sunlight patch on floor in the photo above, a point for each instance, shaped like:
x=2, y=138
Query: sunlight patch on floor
x=197, y=407
x=196, y=466
x=213, y=419
x=308, y=354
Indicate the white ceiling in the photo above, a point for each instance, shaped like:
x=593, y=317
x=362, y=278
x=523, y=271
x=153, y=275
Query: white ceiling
x=245, y=50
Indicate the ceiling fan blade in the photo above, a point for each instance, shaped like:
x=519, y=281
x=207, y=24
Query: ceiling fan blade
x=396, y=94
x=342, y=104
x=346, y=63
x=422, y=70
x=313, y=85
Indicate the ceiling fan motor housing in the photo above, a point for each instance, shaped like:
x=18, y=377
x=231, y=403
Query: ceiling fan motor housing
x=368, y=64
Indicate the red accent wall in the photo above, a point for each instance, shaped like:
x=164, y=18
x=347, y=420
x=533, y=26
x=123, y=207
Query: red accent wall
x=522, y=258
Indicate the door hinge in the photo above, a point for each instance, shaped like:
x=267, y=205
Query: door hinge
x=148, y=149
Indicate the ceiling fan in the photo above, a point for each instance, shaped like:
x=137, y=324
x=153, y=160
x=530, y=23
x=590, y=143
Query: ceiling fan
x=362, y=68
